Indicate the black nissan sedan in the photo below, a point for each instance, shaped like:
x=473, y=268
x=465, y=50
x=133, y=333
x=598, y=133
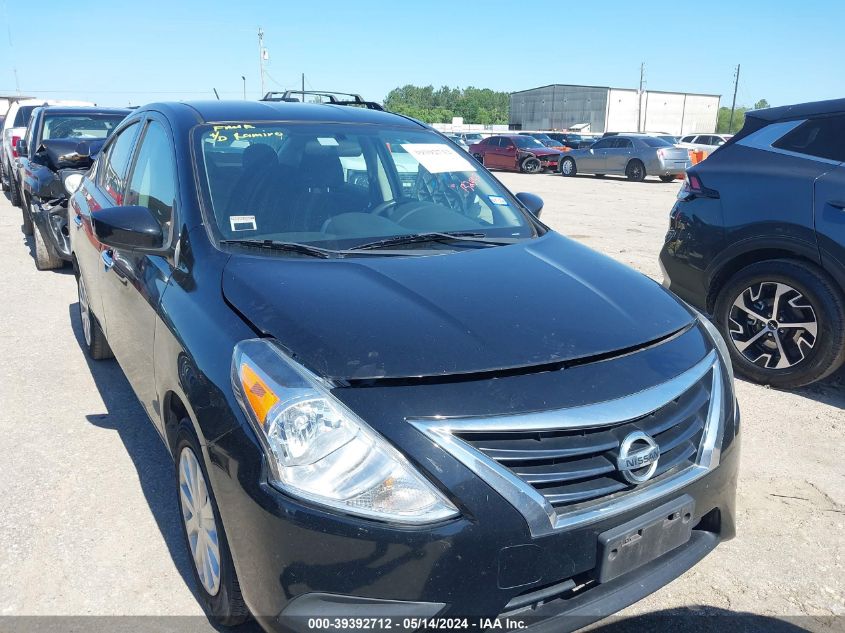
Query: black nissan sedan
x=389, y=390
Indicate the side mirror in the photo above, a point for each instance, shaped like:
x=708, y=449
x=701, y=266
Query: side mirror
x=128, y=227
x=533, y=203
x=21, y=148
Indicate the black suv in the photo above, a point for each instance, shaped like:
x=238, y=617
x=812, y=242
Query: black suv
x=388, y=388
x=757, y=239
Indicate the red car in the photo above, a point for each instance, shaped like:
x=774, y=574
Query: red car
x=515, y=152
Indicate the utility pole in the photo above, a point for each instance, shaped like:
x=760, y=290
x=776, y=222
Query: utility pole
x=303, y=87
x=640, y=93
x=244, y=80
x=261, y=57
x=733, y=105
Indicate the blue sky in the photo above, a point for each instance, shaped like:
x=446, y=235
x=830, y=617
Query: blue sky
x=116, y=52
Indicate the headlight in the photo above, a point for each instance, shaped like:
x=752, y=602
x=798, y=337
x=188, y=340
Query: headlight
x=72, y=182
x=319, y=450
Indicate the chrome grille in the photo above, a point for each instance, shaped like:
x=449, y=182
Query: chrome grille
x=558, y=467
x=570, y=467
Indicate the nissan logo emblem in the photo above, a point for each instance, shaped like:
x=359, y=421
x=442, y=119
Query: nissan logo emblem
x=638, y=457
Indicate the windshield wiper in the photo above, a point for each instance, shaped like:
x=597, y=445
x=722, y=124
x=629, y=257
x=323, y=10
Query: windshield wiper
x=435, y=236
x=292, y=247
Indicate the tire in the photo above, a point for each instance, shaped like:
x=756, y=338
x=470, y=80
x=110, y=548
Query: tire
x=635, y=170
x=220, y=596
x=3, y=176
x=770, y=353
x=92, y=334
x=14, y=192
x=530, y=165
x=26, y=226
x=568, y=167
x=45, y=257
x=668, y=178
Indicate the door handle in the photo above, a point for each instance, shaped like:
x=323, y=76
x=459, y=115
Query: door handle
x=837, y=204
x=77, y=220
x=108, y=260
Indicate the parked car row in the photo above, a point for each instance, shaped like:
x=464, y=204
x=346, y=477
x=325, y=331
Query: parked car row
x=387, y=387
x=633, y=155
x=50, y=147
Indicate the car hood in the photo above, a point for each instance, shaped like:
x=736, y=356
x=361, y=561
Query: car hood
x=532, y=303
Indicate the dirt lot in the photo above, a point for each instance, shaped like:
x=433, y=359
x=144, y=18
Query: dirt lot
x=89, y=523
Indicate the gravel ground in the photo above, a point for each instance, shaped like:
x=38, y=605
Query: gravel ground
x=89, y=524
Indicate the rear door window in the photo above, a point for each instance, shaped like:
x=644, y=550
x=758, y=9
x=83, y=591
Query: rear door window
x=820, y=138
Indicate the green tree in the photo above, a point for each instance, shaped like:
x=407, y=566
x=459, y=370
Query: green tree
x=762, y=103
x=724, y=127
x=475, y=105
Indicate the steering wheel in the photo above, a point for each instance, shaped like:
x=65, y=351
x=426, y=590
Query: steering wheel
x=381, y=209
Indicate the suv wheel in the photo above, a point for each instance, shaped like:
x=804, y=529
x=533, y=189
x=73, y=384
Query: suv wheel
x=784, y=322
x=45, y=257
x=214, y=571
x=3, y=176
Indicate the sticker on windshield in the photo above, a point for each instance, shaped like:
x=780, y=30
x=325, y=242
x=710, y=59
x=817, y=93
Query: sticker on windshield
x=437, y=158
x=498, y=200
x=330, y=140
x=242, y=222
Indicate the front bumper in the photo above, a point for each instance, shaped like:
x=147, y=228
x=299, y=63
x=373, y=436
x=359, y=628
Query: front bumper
x=295, y=566
x=52, y=221
x=296, y=561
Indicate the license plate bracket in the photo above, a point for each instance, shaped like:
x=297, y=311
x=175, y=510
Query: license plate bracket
x=641, y=540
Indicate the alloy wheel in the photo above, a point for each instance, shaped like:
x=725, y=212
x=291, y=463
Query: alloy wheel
x=567, y=167
x=773, y=325
x=200, y=521
x=84, y=311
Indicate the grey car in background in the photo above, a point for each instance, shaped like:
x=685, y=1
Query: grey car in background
x=634, y=155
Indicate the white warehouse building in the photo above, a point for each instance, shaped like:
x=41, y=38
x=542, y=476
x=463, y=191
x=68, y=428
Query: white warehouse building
x=599, y=109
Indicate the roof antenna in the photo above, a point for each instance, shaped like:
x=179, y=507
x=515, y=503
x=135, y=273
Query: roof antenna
x=215, y=93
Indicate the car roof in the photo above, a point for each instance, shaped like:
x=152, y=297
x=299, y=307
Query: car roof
x=85, y=110
x=227, y=111
x=799, y=111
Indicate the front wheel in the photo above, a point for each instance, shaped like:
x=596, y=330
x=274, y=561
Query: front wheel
x=14, y=192
x=784, y=322
x=26, y=226
x=567, y=167
x=95, y=339
x=635, y=171
x=45, y=257
x=530, y=165
x=214, y=572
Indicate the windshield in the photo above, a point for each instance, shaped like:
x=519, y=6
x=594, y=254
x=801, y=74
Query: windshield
x=475, y=138
x=526, y=141
x=338, y=186
x=82, y=126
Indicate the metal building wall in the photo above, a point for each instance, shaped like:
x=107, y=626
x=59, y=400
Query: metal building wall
x=622, y=110
x=663, y=112
x=701, y=114
x=558, y=107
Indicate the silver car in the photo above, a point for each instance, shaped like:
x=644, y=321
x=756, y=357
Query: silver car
x=634, y=155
